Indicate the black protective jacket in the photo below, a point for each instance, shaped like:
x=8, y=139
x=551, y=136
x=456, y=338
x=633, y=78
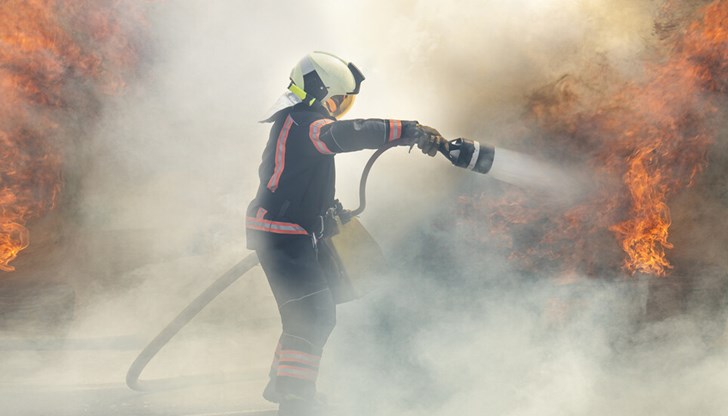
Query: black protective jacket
x=297, y=172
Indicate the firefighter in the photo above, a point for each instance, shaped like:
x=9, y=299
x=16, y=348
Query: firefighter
x=288, y=217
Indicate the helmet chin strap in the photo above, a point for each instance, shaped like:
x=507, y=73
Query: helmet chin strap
x=300, y=93
x=312, y=102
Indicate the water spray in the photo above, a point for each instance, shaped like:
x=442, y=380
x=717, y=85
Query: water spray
x=512, y=167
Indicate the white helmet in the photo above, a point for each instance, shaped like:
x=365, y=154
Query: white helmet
x=327, y=79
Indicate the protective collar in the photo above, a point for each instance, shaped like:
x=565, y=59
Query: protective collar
x=286, y=100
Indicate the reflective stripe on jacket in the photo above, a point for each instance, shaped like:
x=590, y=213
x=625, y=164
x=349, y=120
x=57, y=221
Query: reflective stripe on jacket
x=297, y=170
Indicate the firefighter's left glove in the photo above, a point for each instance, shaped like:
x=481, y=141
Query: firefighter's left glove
x=426, y=138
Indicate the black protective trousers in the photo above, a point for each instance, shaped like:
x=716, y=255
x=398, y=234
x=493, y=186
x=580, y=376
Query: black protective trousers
x=299, y=283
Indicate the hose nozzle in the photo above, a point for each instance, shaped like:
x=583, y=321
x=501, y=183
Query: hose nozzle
x=469, y=154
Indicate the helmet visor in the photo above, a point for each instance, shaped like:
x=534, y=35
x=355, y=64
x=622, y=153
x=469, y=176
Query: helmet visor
x=338, y=105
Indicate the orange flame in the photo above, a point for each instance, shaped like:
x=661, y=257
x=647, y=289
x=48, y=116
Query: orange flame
x=700, y=63
x=652, y=135
x=54, y=57
x=644, y=236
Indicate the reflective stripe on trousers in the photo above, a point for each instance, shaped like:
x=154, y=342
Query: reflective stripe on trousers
x=308, y=312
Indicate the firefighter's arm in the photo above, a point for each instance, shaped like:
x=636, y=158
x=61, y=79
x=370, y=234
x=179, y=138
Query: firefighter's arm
x=329, y=136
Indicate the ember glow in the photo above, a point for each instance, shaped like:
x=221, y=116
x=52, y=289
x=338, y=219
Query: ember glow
x=56, y=58
x=645, y=140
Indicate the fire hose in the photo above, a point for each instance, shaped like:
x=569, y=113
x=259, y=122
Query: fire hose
x=461, y=152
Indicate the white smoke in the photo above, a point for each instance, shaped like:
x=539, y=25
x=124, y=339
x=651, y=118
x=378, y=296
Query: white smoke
x=177, y=164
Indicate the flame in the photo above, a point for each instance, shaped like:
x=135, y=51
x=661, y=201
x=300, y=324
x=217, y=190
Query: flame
x=56, y=57
x=699, y=64
x=648, y=140
x=644, y=235
x=669, y=153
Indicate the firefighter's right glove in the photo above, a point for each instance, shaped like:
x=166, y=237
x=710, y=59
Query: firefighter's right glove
x=426, y=138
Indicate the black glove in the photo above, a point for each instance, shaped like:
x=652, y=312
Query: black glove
x=426, y=138
x=344, y=214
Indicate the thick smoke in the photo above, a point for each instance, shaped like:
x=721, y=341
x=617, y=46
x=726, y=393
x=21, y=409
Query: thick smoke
x=454, y=329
